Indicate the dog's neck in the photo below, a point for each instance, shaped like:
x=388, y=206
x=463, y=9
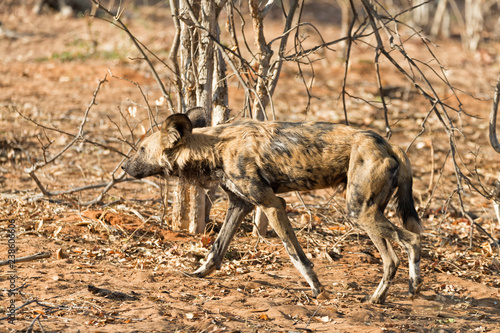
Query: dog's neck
x=197, y=160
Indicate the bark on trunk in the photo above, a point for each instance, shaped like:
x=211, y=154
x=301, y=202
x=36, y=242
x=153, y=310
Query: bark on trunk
x=199, y=67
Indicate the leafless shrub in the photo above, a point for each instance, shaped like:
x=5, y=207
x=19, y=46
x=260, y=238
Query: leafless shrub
x=201, y=63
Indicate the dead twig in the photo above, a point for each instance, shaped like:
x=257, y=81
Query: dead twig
x=140, y=47
x=314, y=314
x=37, y=319
x=378, y=52
x=496, y=146
x=76, y=138
x=153, y=121
x=37, y=256
x=50, y=308
x=54, y=129
x=493, y=119
x=350, y=40
x=116, y=295
x=79, y=136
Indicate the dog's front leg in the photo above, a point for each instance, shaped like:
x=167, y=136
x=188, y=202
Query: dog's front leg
x=236, y=212
x=276, y=214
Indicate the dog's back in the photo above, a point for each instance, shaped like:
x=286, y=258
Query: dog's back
x=292, y=156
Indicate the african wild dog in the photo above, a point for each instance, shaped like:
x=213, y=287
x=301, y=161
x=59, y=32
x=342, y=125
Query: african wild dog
x=252, y=161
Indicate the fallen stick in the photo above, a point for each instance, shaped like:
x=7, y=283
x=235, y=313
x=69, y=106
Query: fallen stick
x=117, y=295
x=40, y=255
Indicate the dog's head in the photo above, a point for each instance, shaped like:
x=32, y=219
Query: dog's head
x=154, y=154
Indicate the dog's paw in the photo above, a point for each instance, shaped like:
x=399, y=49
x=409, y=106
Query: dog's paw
x=323, y=296
x=207, y=268
x=414, y=289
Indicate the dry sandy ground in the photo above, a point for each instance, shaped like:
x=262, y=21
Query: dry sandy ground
x=49, y=70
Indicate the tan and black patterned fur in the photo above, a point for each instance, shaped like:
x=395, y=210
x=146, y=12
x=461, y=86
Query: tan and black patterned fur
x=253, y=161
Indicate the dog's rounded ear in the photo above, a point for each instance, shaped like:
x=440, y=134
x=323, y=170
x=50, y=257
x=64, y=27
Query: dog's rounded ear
x=198, y=116
x=175, y=128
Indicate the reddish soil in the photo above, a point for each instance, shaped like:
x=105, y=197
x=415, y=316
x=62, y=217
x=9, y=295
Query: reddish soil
x=49, y=70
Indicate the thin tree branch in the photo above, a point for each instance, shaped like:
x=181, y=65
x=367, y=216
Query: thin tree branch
x=76, y=137
x=139, y=47
x=493, y=119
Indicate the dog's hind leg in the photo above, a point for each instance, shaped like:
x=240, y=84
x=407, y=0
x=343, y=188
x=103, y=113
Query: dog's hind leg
x=382, y=232
x=411, y=243
x=390, y=263
x=390, y=259
x=276, y=214
x=370, y=186
x=236, y=212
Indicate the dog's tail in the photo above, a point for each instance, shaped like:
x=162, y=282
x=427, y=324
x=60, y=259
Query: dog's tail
x=404, y=194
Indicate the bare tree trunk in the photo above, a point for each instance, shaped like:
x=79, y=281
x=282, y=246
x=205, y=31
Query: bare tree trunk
x=493, y=119
x=496, y=199
x=474, y=23
x=438, y=25
x=266, y=81
x=220, y=112
x=205, y=59
x=189, y=39
x=261, y=100
x=421, y=14
x=202, y=74
x=188, y=210
x=220, y=100
x=264, y=55
x=347, y=15
x=205, y=70
x=260, y=223
x=174, y=50
x=294, y=4
x=181, y=202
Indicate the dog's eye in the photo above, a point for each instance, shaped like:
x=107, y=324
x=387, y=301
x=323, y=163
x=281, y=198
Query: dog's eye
x=142, y=150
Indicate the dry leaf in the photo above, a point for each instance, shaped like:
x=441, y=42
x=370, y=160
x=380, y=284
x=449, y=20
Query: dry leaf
x=160, y=101
x=323, y=296
x=325, y=319
x=60, y=254
x=57, y=231
x=496, y=263
x=206, y=241
x=190, y=316
x=337, y=227
x=132, y=111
